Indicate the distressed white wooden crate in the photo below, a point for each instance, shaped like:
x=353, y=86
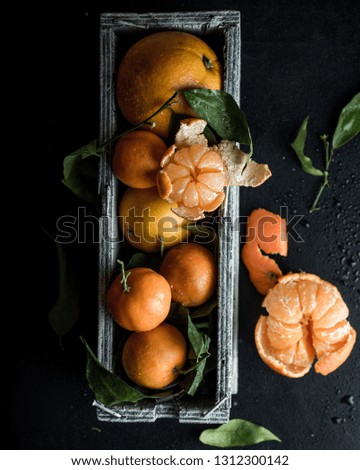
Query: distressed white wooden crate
x=116, y=31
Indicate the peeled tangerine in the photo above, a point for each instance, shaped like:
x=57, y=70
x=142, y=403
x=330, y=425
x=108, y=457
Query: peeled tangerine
x=307, y=318
x=194, y=175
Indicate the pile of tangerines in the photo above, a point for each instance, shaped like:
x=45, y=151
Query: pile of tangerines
x=140, y=298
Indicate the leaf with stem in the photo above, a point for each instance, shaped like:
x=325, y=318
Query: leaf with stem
x=325, y=183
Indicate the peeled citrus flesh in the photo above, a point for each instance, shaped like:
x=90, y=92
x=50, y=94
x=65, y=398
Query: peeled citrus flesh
x=194, y=175
x=307, y=319
x=194, y=178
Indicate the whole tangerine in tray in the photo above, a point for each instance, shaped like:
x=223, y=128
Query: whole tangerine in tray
x=157, y=66
x=147, y=220
x=190, y=269
x=154, y=359
x=139, y=300
x=137, y=157
x=307, y=319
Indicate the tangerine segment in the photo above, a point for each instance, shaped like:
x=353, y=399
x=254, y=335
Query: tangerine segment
x=263, y=271
x=283, y=303
x=339, y=311
x=282, y=335
x=330, y=361
x=268, y=353
x=307, y=317
x=267, y=232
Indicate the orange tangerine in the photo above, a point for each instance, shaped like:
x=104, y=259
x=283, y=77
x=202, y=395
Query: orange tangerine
x=137, y=157
x=190, y=269
x=144, y=304
x=146, y=219
x=154, y=359
x=157, y=66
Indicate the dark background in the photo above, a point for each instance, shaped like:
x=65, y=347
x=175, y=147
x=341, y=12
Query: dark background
x=298, y=58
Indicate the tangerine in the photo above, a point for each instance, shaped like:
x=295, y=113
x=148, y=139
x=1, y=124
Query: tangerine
x=154, y=359
x=190, y=269
x=194, y=174
x=143, y=303
x=147, y=220
x=157, y=66
x=137, y=157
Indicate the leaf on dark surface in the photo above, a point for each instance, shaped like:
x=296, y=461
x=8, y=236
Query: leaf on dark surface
x=348, y=125
x=298, y=147
x=66, y=309
x=222, y=113
x=237, y=433
x=109, y=388
x=81, y=172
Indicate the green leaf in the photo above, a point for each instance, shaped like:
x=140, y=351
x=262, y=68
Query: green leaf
x=348, y=125
x=200, y=344
x=199, y=341
x=222, y=113
x=204, y=309
x=146, y=260
x=210, y=136
x=298, y=147
x=81, y=172
x=237, y=433
x=109, y=388
x=66, y=309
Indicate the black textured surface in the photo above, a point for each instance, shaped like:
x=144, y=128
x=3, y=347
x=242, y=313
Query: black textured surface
x=298, y=58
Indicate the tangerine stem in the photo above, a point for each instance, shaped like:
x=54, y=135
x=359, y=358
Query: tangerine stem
x=102, y=148
x=124, y=276
x=328, y=157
